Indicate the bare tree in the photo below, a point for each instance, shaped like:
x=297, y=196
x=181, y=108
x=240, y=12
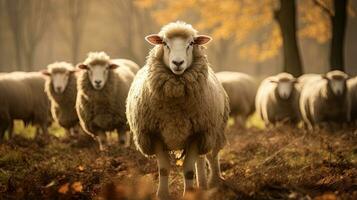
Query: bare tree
x=15, y=11
x=77, y=12
x=286, y=18
x=37, y=18
x=28, y=22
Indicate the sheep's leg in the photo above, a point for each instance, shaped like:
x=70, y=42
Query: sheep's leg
x=11, y=129
x=121, y=137
x=163, y=162
x=215, y=169
x=44, y=129
x=201, y=172
x=101, y=138
x=189, y=166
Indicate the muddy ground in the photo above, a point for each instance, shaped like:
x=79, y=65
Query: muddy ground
x=279, y=163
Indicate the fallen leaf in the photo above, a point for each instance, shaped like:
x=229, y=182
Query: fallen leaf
x=77, y=186
x=64, y=188
x=80, y=168
x=179, y=162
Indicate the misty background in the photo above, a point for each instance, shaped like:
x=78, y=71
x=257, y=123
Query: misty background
x=36, y=33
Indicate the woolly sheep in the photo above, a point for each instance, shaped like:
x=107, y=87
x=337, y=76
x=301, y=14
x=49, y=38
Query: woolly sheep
x=103, y=86
x=241, y=90
x=22, y=97
x=277, y=99
x=177, y=103
x=352, y=89
x=61, y=89
x=325, y=99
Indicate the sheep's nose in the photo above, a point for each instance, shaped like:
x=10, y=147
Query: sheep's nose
x=178, y=63
x=58, y=88
x=97, y=82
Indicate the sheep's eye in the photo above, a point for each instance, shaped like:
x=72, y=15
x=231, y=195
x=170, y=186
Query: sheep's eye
x=164, y=43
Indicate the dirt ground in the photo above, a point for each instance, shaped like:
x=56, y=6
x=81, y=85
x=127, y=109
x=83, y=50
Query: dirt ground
x=279, y=163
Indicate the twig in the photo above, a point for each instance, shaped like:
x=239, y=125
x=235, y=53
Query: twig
x=324, y=8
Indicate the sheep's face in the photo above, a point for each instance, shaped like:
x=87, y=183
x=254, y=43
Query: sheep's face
x=98, y=73
x=178, y=50
x=337, y=82
x=60, y=81
x=285, y=87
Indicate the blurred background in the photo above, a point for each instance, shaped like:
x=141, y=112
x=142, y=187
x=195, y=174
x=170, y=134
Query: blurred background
x=257, y=37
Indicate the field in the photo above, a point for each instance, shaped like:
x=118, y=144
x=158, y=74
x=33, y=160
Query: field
x=276, y=163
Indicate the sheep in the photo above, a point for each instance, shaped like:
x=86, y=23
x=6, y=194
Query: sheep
x=22, y=97
x=325, y=100
x=241, y=89
x=61, y=89
x=102, y=86
x=177, y=103
x=352, y=89
x=132, y=65
x=277, y=99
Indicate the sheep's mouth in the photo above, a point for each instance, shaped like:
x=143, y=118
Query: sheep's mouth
x=178, y=71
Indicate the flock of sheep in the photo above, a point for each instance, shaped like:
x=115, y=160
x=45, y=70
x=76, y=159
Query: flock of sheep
x=175, y=102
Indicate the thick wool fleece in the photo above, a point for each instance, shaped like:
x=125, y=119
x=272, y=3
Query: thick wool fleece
x=103, y=110
x=271, y=107
x=63, y=104
x=177, y=109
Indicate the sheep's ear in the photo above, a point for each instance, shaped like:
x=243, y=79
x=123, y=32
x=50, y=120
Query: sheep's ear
x=202, y=39
x=82, y=66
x=154, y=39
x=45, y=72
x=113, y=66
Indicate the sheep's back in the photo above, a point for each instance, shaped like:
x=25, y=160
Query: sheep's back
x=241, y=89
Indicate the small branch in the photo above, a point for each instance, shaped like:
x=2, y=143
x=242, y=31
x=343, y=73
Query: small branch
x=324, y=8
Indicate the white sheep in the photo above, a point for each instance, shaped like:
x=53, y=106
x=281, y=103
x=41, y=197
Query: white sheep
x=325, y=99
x=61, y=89
x=241, y=90
x=22, y=97
x=103, y=86
x=277, y=99
x=177, y=103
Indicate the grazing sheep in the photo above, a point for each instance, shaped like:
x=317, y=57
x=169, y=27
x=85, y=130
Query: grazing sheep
x=241, y=90
x=61, y=88
x=277, y=99
x=325, y=99
x=352, y=88
x=103, y=86
x=22, y=97
x=177, y=103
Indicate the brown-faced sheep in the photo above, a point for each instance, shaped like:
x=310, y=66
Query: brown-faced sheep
x=61, y=88
x=325, y=100
x=241, y=90
x=22, y=97
x=103, y=86
x=277, y=99
x=177, y=103
x=352, y=89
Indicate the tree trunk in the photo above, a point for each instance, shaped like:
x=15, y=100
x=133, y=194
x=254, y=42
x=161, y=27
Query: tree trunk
x=338, y=20
x=286, y=18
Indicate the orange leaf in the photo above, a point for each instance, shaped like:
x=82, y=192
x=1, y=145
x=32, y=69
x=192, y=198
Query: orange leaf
x=77, y=186
x=80, y=168
x=64, y=188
